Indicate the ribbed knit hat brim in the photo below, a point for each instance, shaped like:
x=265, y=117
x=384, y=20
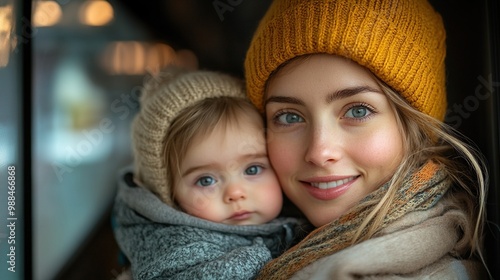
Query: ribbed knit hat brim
x=401, y=42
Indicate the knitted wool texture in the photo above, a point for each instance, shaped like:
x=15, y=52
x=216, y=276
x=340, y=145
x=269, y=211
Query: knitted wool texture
x=420, y=191
x=401, y=41
x=163, y=98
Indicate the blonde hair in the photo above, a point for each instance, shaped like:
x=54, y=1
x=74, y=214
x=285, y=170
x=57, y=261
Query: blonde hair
x=424, y=138
x=201, y=119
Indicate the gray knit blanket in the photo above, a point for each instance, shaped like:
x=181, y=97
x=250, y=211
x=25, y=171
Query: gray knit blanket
x=164, y=243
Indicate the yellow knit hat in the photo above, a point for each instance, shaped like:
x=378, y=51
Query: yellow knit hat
x=163, y=98
x=401, y=42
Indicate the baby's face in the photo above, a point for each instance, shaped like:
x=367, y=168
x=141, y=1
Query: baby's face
x=226, y=177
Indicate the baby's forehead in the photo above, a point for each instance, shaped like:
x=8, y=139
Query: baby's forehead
x=247, y=129
x=244, y=133
x=252, y=117
x=251, y=125
x=243, y=117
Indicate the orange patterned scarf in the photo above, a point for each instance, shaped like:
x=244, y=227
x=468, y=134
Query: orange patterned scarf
x=419, y=191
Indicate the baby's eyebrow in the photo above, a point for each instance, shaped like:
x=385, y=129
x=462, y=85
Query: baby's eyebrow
x=347, y=92
x=249, y=156
x=255, y=156
x=196, y=168
x=215, y=165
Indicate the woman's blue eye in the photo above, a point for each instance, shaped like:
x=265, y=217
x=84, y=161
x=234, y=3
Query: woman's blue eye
x=358, y=112
x=205, y=181
x=289, y=118
x=253, y=170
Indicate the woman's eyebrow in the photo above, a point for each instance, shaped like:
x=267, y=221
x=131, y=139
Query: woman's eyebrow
x=283, y=99
x=347, y=92
x=336, y=95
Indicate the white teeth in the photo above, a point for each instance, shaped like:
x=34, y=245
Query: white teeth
x=333, y=184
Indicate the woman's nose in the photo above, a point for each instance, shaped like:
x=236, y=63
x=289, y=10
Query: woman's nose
x=323, y=146
x=234, y=192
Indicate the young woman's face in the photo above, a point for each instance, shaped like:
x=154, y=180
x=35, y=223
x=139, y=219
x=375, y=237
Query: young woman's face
x=227, y=177
x=332, y=137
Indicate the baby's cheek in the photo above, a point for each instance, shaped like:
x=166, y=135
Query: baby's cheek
x=281, y=158
x=276, y=201
x=270, y=190
x=197, y=202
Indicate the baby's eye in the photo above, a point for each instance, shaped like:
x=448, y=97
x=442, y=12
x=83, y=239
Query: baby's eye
x=253, y=170
x=358, y=112
x=206, y=181
x=288, y=118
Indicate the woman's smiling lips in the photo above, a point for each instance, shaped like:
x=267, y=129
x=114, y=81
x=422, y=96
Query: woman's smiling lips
x=327, y=188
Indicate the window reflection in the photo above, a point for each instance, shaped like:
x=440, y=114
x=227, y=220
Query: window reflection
x=46, y=13
x=140, y=58
x=90, y=58
x=96, y=13
x=12, y=234
x=7, y=36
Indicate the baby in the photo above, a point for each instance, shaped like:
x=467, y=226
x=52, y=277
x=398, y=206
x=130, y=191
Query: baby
x=203, y=200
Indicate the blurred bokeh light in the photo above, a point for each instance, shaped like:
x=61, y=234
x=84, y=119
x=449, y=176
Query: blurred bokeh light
x=46, y=13
x=96, y=13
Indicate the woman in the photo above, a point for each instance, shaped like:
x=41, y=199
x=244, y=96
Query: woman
x=354, y=98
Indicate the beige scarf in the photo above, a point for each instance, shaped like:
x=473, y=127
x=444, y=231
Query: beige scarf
x=419, y=191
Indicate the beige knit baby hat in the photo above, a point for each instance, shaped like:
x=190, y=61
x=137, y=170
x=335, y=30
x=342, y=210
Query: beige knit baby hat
x=163, y=98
